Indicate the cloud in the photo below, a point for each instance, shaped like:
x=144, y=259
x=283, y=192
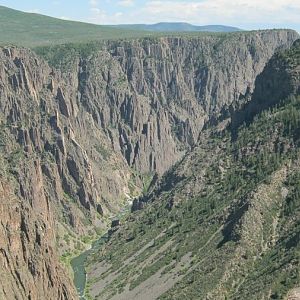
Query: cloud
x=126, y=3
x=66, y=18
x=94, y=3
x=224, y=11
x=99, y=16
x=242, y=13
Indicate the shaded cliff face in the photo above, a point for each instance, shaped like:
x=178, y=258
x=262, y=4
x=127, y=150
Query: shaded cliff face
x=71, y=139
x=153, y=97
x=28, y=257
x=279, y=79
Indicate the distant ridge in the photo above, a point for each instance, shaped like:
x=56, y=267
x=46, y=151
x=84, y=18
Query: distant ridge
x=32, y=30
x=178, y=27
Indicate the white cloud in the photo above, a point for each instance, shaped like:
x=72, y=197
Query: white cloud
x=126, y=3
x=224, y=11
x=94, y=3
x=34, y=11
x=118, y=14
x=99, y=16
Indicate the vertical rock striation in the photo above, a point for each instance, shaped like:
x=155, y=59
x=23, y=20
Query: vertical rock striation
x=152, y=97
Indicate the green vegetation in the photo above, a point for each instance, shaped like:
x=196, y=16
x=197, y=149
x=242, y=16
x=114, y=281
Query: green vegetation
x=34, y=30
x=278, y=268
x=103, y=152
x=291, y=56
x=31, y=30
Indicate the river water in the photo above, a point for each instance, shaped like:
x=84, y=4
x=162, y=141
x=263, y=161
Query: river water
x=78, y=266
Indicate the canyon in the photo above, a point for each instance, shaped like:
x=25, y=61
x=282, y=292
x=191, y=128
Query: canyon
x=85, y=129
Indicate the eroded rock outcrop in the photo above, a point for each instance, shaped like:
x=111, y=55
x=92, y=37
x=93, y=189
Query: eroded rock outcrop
x=152, y=97
x=30, y=268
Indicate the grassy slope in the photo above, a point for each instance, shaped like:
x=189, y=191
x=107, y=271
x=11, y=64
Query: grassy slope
x=33, y=30
x=226, y=219
x=27, y=29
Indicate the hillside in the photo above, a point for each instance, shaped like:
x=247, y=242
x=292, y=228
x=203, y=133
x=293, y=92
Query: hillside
x=30, y=30
x=178, y=27
x=223, y=223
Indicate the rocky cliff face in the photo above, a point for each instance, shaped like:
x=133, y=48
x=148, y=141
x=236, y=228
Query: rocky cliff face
x=152, y=97
x=28, y=257
x=71, y=139
x=279, y=79
x=42, y=118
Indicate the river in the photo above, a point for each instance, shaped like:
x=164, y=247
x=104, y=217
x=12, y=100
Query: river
x=78, y=263
x=78, y=266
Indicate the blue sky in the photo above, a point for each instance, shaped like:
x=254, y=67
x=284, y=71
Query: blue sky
x=247, y=14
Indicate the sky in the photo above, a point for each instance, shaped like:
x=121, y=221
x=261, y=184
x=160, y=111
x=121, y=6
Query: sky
x=246, y=14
